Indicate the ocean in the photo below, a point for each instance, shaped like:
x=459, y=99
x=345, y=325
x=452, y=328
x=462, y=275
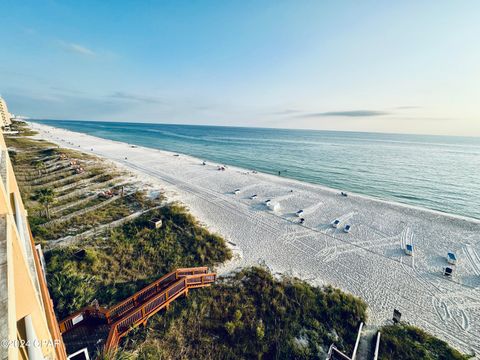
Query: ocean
x=436, y=172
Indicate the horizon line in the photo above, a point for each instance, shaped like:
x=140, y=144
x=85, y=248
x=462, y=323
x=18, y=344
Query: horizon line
x=257, y=127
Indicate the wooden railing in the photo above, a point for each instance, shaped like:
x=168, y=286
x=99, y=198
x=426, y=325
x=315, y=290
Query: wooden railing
x=86, y=312
x=149, y=291
x=128, y=304
x=139, y=315
x=139, y=307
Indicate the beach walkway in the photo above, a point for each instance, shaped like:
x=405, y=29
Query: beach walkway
x=99, y=328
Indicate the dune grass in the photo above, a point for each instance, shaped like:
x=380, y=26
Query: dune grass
x=408, y=342
x=115, y=210
x=252, y=316
x=128, y=258
x=22, y=128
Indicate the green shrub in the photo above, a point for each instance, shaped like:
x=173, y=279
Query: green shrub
x=407, y=342
x=252, y=316
x=131, y=256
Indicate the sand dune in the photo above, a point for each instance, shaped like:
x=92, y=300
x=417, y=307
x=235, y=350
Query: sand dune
x=369, y=261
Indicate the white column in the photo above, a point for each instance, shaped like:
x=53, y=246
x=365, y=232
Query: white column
x=34, y=350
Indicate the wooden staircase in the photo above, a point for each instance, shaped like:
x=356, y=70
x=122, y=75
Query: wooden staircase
x=89, y=325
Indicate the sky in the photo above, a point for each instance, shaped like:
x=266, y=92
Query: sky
x=382, y=66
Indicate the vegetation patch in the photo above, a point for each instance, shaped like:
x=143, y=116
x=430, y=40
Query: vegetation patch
x=128, y=258
x=72, y=199
x=22, y=128
x=408, y=342
x=252, y=316
x=81, y=206
x=89, y=220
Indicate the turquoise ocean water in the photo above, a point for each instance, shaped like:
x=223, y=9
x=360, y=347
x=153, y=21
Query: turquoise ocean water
x=437, y=172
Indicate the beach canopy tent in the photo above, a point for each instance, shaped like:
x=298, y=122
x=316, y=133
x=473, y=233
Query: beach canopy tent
x=273, y=206
x=451, y=258
x=409, y=249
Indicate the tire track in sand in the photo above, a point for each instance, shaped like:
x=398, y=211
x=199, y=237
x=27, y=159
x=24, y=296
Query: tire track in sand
x=472, y=258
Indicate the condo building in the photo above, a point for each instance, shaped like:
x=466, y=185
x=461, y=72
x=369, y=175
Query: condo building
x=5, y=116
x=28, y=326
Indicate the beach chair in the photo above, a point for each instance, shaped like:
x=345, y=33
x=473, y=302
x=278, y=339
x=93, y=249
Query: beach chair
x=397, y=315
x=448, y=271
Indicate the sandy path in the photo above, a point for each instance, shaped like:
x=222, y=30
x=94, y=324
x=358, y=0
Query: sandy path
x=368, y=262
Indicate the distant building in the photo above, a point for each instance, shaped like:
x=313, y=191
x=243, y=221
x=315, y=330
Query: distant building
x=5, y=116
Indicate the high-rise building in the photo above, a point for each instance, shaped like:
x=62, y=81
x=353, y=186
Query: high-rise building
x=28, y=326
x=5, y=116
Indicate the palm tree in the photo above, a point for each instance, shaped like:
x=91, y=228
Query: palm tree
x=46, y=197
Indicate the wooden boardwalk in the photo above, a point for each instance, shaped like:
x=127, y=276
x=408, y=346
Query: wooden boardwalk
x=99, y=328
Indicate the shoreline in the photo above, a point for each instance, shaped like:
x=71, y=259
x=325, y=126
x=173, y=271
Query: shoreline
x=370, y=258
x=265, y=174
x=337, y=162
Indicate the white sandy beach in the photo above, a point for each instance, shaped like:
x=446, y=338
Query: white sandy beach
x=368, y=262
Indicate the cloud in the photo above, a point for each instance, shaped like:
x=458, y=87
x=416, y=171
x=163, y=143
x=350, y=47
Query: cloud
x=76, y=48
x=285, y=112
x=120, y=95
x=348, y=113
x=408, y=107
x=40, y=104
x=64, y=90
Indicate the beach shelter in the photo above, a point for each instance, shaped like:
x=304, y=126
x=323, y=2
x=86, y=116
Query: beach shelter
x=409, y=249
x=273, y=206
x=451, y=258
